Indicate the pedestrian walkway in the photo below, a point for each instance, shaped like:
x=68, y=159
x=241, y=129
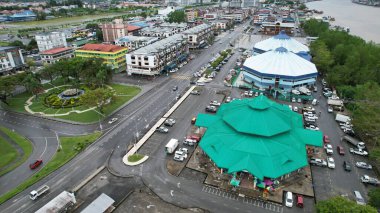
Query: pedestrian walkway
x=254, y=202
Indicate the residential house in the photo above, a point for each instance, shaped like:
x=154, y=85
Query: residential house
x=11, y=59
x=47, y=41
x=56, y=54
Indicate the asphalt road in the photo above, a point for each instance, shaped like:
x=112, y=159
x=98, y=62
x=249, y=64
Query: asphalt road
x=137, y=118
x=335, y=182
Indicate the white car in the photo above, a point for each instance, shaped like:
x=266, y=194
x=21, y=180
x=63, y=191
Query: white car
x=289, y=199
x=312, y=117
x=228, y=99
x=184, y=150
x=363, y=165
x=295, y=109
x=214, y=103
x=330, y=109
x=112, y=120
x=312, y=127
x=358, y=152
x=329, y=149
x=330, y=163
x=293, y=100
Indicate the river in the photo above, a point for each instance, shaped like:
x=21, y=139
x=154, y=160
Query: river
x=363, y=21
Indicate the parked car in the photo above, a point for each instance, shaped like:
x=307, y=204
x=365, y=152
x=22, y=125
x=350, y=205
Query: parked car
x=193, y=120
x=329, y=149
x=289, y=199
x=346, y=166
x=330, y=163
x=175, y=88
x=169, y=122
x=214, y=103
x=363, y=165
x=300, y=201
x=112, y=120
x=295, y=109
x=369, y=180
x=340, y=150
x=228, y=99
x=190, y=142
x=195, y=92
x=312, y=127
x=194, y=137
x=211, y=109
x=330, y=109
x=318, y=162
x=250, y=94
x=162, y=129
x=358, y=152
x=326, y=139
x=299, y=100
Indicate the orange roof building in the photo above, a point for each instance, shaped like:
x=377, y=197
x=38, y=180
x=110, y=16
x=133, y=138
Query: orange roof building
x=112, y=55
x=56, y=54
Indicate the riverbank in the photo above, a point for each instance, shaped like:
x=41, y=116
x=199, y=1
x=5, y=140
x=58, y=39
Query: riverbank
x=361, y=19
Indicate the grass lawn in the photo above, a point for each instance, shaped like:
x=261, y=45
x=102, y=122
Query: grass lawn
x=124, y=94
x=135, y=157
x=22, y=142
x=71, y=146
x=7, y=152
x=67, y=20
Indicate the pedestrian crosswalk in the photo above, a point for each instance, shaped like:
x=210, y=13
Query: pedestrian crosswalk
x=254, y=202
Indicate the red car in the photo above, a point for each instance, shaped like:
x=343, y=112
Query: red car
x=299, y=201
x=35, y=164
x=326, y=139
x=340, y=150
x=194, y=137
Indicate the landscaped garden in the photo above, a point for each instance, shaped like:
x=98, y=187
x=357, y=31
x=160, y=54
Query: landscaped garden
x=84, y=96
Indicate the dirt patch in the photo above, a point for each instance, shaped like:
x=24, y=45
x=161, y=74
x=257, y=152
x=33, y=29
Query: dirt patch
x=146, y=201
x=174, y=167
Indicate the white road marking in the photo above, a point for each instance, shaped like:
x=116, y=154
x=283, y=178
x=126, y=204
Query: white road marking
x=44, y=148
x=171, y=192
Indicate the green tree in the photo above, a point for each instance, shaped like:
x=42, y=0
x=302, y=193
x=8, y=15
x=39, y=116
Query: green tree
x=40, y=16
x=32, y=83
x=99, y=35
x=302, y=6
x=32, y=44
x=177, y=16
x=98, y=97
x=7, y=85
x=322, y=56
x=17, y=43
x=342, y=205
x=374, y=198
x=49, y=73
x=314, y=27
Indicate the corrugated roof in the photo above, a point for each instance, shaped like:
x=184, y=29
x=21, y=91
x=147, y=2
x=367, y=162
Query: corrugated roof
x=55, y=50
x=132, y=28
x=280, y=62
x=281, y=40
x=257, y=148
x=102, y=48
x=99, y=205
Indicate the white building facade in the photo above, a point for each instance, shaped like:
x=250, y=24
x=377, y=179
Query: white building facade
x=197, y=36
x=47, y=41
x=10, y=59
x=157, y=57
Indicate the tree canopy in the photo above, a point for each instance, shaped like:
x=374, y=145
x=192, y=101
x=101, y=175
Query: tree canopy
x=177, y=16
x=342, y=205
x=352, y=67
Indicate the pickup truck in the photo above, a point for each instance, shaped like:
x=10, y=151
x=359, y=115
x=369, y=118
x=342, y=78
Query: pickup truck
x=369, y=180
x=358, y=152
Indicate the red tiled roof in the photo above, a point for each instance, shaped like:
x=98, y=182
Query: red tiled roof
x=102, y=47
x=132, y=28
x=55, y=50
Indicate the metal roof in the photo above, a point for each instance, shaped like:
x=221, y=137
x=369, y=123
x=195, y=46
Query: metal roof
x=257, y=135
x=281, y=40
x=196, y=29
x=100, y=204
x=160, y=45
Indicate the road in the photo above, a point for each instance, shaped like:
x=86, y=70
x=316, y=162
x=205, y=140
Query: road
x=137, y=117
x=135, y=120
x=335, y=182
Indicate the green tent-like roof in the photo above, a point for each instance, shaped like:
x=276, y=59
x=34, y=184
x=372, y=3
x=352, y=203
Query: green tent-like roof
x=258, y=135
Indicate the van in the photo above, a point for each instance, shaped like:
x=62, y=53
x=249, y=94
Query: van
x=359, y=198
x=314, y=102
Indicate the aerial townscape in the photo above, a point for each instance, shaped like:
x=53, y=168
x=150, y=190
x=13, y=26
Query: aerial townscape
x=189, y=106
